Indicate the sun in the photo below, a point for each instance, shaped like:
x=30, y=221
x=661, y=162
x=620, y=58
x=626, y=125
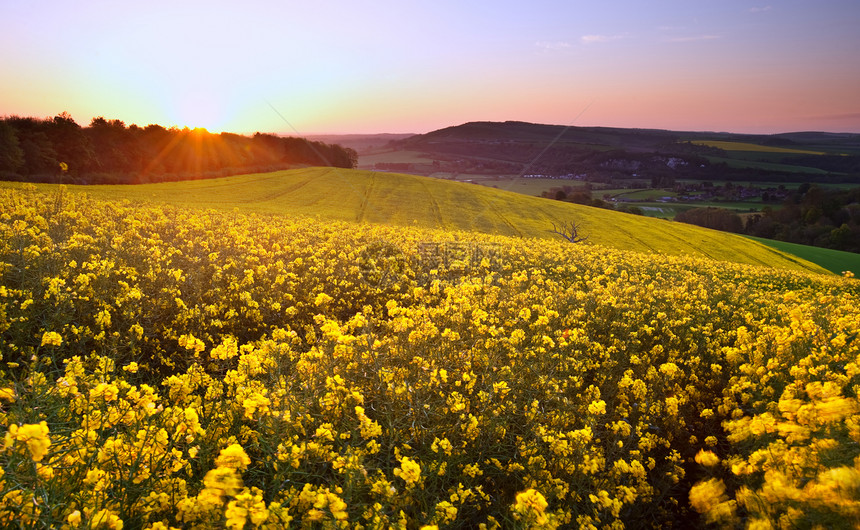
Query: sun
x=200, y=109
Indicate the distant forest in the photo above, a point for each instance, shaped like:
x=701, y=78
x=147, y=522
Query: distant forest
x=810, y=216
x=109, y=152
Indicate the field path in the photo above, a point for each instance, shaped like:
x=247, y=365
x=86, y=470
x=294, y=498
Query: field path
x=434, y=205
x=367, y=193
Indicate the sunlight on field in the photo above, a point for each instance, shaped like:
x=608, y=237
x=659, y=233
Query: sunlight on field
x=741, y=146
x=407, y=200
x=175, y=367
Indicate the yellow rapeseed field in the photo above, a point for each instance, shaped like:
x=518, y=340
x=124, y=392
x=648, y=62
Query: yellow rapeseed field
x=744, y=146
x=165, y=367
x=413, y=201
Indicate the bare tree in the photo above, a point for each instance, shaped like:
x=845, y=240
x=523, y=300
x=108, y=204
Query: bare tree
x=568, y=230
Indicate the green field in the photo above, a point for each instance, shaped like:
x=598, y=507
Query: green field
x=835, y=261
x=765, y=157
x=641, y=194
x=786, y=185
x=668, y=210
x=743, y=162
x=407, y=200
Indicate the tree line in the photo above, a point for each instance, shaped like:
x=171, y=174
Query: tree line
x=809, y=216
x=58, y=149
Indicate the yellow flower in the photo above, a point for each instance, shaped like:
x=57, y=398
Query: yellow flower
x=597, y=407
x=233, y=457
x=221, y=481
x=709, y=498
x=337, y=507
x=228, y=349
x=409, y=470
x=137, y=331
x=445, y=512
x=707, y=458
x=103, y=318
x=530, y=499
x=759, y=524
x=530, y=506
x=235, y=515
x=34, y=435
x=254, y=403
x=325, y=432
x=106, y=391
x=52, y=338
x=192, y=343
x=158, y=525
x=74, y=518
x=131, y=367
x=322, y=299
x=7, y=394
x=105, y=519
x=45, y=472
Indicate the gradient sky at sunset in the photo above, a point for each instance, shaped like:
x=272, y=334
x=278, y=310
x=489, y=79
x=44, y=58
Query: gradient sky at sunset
x=344, y=66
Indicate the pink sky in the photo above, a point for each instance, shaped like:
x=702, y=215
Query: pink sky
x=338, y=67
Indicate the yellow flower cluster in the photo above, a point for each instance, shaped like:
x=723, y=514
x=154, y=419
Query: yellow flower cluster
x=166, y=369
x=793, y=416
x=34, y=437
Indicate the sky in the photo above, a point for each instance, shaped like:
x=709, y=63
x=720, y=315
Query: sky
x=402, y=66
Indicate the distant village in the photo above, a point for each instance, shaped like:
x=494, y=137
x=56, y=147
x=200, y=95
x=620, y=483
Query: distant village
x=707, y=191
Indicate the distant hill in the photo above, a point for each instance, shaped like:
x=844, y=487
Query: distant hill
x=524, y=132
x=360, y=142
x=517, y=131
x=408, y=200
x=606, y=154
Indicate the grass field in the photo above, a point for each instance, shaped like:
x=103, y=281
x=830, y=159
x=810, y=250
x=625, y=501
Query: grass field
x=833, y=260
x=786, y=185
x=406, y=200
x=762, y=157
x=668, y=210
x=641, y=195
x=766, y=166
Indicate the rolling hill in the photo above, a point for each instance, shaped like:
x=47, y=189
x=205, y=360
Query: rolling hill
x=607, y=153
x=408, y=200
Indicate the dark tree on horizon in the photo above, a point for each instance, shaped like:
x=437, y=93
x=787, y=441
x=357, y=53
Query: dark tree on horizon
x=107, y=151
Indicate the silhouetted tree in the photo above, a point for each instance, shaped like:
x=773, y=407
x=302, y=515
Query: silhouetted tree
x=70, y=143
x=11, y=154
x=569, y=230
x=109, y=152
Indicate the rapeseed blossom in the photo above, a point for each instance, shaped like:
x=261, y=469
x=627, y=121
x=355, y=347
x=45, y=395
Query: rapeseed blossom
x=52, y=338
x=170, y=368
x=409, y=470
x=33, y=436
x=233, y=457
